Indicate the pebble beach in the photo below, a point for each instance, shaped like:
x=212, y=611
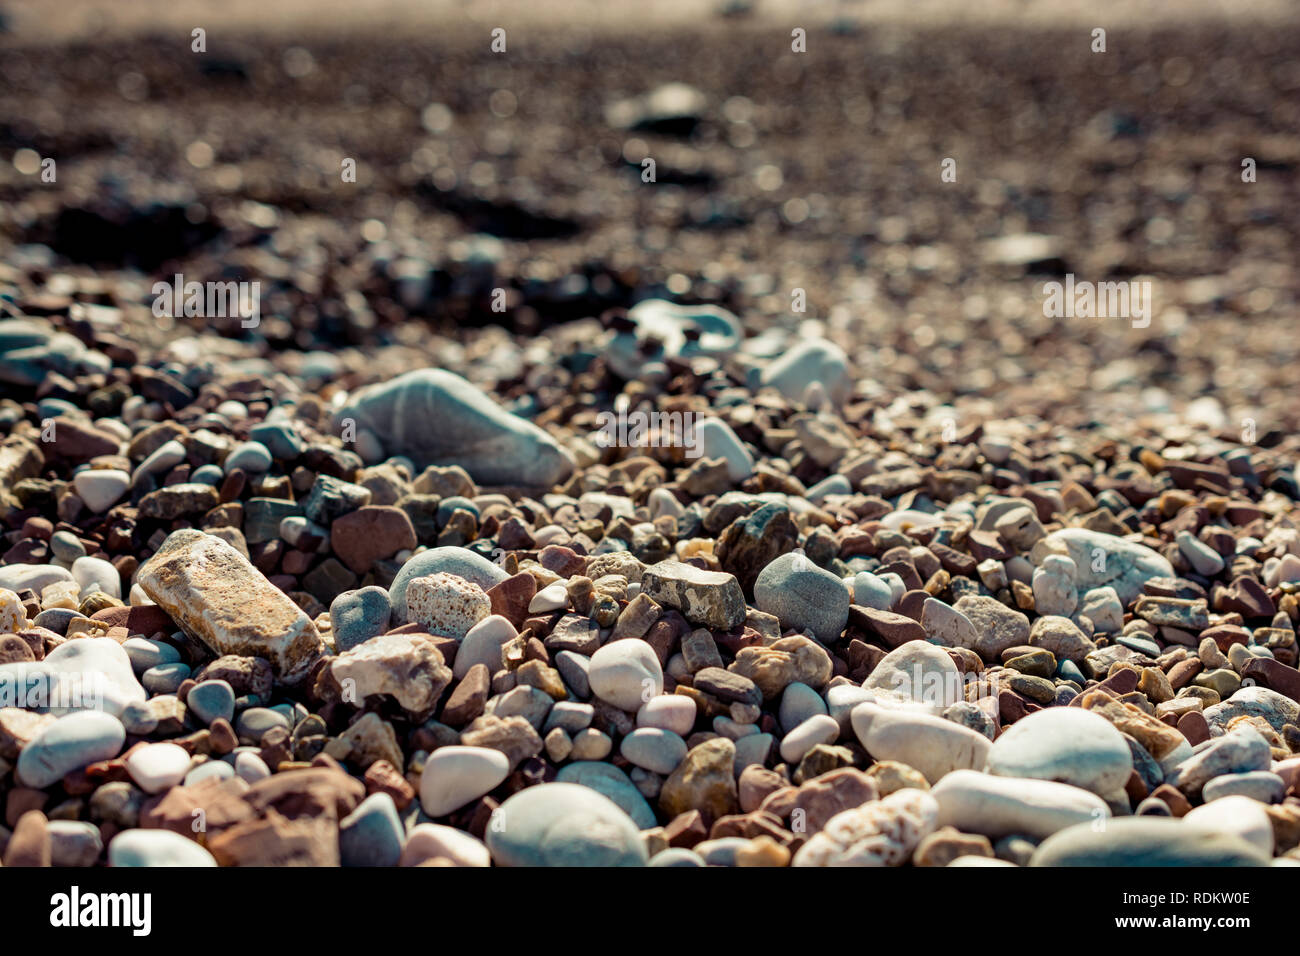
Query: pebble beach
x=759, y=514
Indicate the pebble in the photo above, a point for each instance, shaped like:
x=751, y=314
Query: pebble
x=156, y=848
x=1105, y=559
x=102, y=488
x=932, y=745
x=1261, y=785
x=216, y=595
x=372, y=834
x=91, y=673
x=799, y=702
x=819, y=729
x=90, y=573
x=446, y=560
x=879, y=833
x=1145, y=841
x=919, y=672
x=564, y=824
x=670, y=712
x=997, y=807
x=871, y=591
x=357, y=616
x=626, y=674
x=456, y=775
x=446, y=605
x=157, y=767
x=803, y=596
x=430, y=841
x=211, y=700
x=611, y=782
x=1065, y=744
x=654, y=749
x=69, y=743
x=1235, y=815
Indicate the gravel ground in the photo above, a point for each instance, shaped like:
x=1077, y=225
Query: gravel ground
x=763, y=513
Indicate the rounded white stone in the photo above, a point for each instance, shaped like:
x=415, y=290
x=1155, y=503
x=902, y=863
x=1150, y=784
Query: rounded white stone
x=454, y=776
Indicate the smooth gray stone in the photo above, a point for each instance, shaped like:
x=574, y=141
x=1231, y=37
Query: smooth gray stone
x=564, y=824
x=74, y=843
x=56, y=619
x=676, y=856
x=803, y=596
x=145, y=653
x=435, y=417
x=371, y=835
x=574, y=668
x=448, y=560
x=607, y=779
x=811, y=360
x=279, y=439
x=165, y=678
x=156, y=848
x=1127, y=566
x=67, y=744
x=357, y=616
x=211, y=699
x=1145, y=841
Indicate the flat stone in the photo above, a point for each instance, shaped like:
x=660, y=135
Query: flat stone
x=456, y=775
x=998, y=806
x=931, y=744
x=1145, y=841
x=69, y=743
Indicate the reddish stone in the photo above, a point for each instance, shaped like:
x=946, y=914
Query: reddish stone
x=382, y=777
x=20, y=800
x=370, y=534
x=894, y=629
x=1193, y=726
x=1182, y=673
x=1274, y=675
x=76, y=441
x=510, y=598
x=30, y=843
x=1173, y=798
x=468, y=698
x=146, y=619
x=686, y=829
x=563, y=561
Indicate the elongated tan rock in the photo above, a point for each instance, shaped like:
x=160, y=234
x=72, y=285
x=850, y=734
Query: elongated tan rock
x=217, y=596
